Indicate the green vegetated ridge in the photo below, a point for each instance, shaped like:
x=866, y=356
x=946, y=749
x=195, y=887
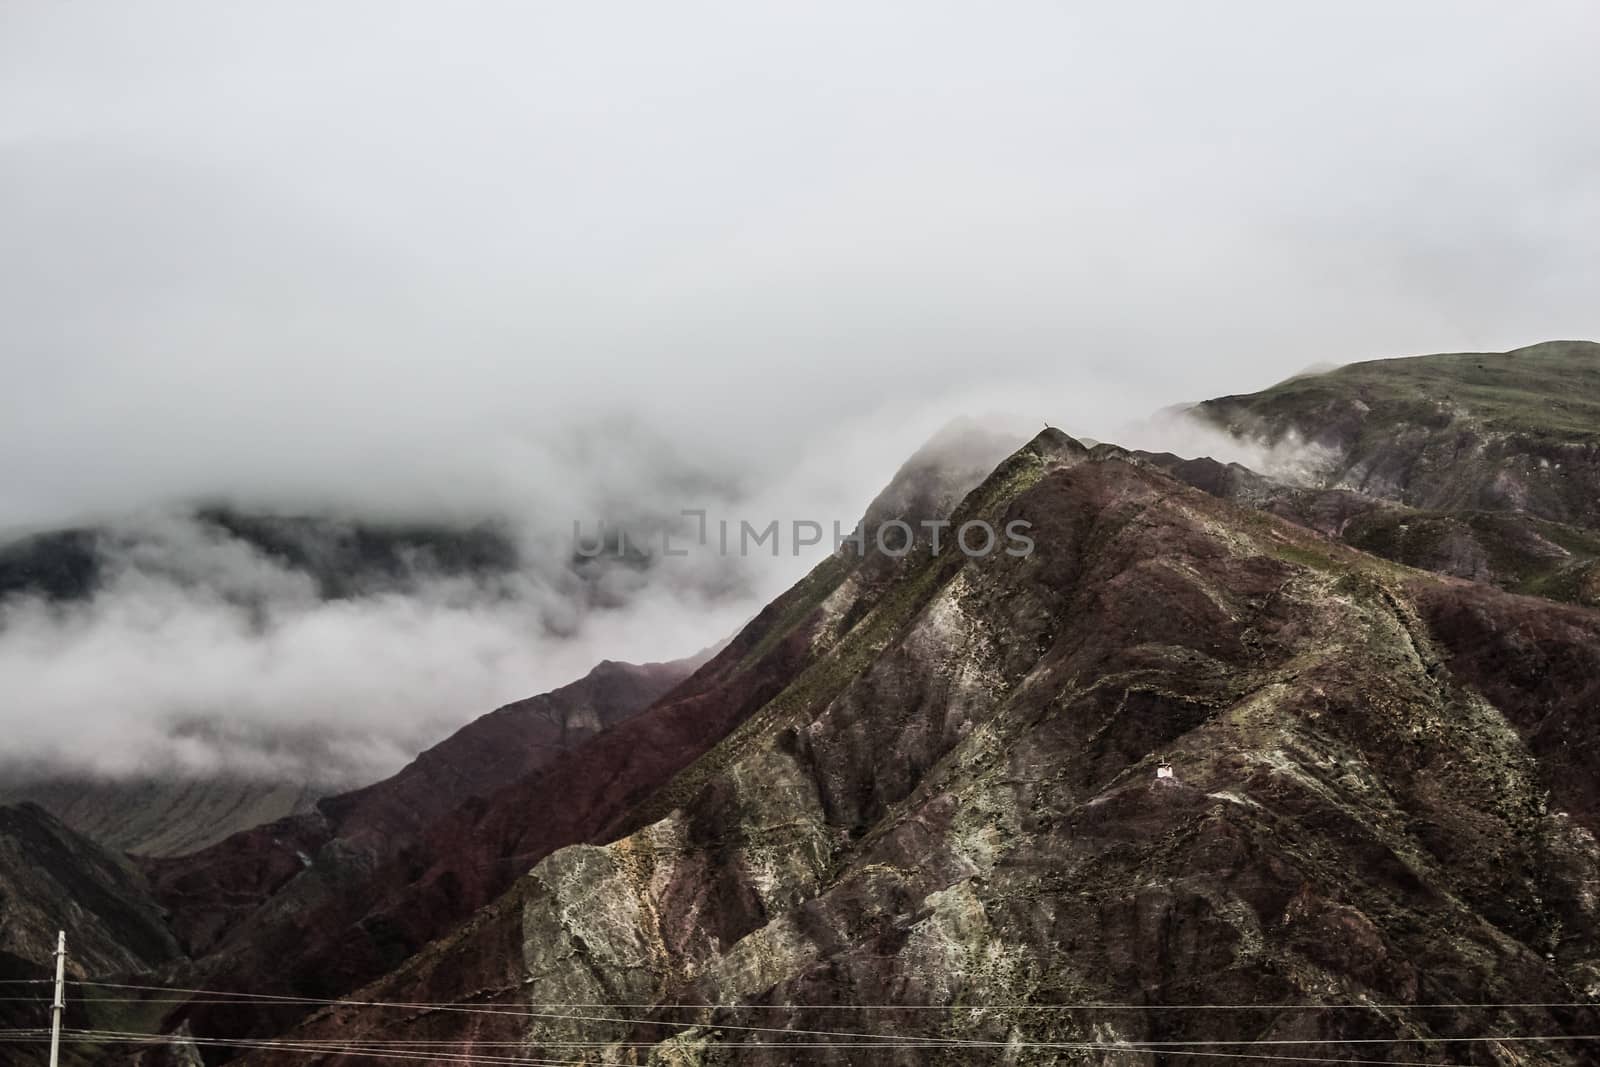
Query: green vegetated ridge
x=1548, y=391
x=1483, y=466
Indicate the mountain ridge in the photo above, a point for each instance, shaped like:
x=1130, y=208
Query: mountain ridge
x=880, y=832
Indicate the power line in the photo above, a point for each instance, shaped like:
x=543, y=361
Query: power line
x=473, y=1009
x=228, y=996
x=680, y=1026
x=418, y=1049
x=368, y=1050
x=904, y=1041
x=429, y=1049
x=931, y=1041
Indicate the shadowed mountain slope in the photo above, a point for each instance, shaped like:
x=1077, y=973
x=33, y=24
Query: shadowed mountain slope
x=54, y=879
x=158, y=817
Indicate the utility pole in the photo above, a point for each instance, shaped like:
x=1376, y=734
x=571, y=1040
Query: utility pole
x=61, y=999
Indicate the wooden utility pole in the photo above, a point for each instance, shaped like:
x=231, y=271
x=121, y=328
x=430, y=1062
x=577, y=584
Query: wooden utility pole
x=60, y=1004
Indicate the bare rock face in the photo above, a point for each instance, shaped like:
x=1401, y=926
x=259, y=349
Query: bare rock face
x=942, y=794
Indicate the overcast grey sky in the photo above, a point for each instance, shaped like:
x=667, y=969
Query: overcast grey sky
x=371, y=249
x=572, y=260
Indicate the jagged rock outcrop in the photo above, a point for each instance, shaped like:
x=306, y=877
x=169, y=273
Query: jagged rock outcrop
x=946, y=799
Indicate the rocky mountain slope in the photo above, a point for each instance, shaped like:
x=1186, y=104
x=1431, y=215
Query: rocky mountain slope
x=1514, y=550
x=54, y=879
x=945, y=796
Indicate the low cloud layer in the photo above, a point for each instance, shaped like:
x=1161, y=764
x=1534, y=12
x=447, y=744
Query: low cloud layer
x=1287, y=458
x=238, y=643
x=151, y=678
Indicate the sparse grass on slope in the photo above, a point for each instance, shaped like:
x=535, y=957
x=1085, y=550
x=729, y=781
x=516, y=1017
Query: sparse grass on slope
x=1549, y=390
x=1510, y=432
